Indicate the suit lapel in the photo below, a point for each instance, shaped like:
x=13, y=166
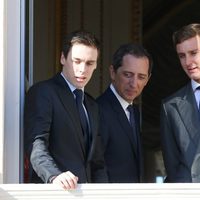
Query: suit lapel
x=140, y=156
x=189, y=113
x=93, y=121
x=117, y=108
x=68, y=102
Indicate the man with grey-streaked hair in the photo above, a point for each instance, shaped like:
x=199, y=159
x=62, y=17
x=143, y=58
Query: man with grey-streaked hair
x=130, y=71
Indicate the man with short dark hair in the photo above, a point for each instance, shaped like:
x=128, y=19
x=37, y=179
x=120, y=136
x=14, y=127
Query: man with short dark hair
x=120, y=120
x=61, y=121
x=180, y=115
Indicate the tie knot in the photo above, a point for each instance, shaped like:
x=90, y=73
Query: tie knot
x=198, y=88
x=79, y=94
x=130, y=108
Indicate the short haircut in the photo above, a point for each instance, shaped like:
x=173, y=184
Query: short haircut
x=80, y=37
x=185, y=33
x=135, y=50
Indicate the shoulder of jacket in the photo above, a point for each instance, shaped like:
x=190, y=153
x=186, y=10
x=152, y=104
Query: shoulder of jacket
x=176, y=95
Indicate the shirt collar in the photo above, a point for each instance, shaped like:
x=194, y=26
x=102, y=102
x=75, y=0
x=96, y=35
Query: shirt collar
x=71, y=87
x=194, y=85
x=122, y=101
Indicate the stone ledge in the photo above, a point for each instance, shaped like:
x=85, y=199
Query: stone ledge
x=101, y=191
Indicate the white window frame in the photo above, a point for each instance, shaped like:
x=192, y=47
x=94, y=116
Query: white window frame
x=1, y=88
x=12, y=89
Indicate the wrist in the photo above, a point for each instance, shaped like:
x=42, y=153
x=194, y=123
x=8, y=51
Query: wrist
x=51, y=179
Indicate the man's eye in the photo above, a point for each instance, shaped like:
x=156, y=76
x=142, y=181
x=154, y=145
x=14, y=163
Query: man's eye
x=77, y=61
x=142, y=77
x=181, y=55
x=194, y=53
x=90, y=63
x=127, y=75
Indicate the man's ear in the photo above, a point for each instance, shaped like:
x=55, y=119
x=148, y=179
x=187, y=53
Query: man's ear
x=112, y=72
x=62, y=59
x=148, y=79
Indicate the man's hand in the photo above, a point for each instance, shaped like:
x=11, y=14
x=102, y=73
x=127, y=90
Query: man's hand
x=66, y=180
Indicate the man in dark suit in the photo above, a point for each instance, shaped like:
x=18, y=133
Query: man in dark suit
x=63, y=151
x=180, y=116
x=120, y=127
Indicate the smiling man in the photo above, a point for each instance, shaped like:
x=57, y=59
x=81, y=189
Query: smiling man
x=120, y=121
x=61, y=121
x=180, y=113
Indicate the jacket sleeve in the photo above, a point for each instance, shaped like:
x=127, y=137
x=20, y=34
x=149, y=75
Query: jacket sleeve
x=38, y=118
x=175, y=170
x=42, y=162
x=99, y=174
x=98, y=167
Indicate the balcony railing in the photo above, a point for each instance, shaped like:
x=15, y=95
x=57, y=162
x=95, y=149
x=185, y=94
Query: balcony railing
x=101, y=192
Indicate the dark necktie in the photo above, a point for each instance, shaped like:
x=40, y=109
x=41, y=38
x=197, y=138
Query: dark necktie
x=83, y=118
x=198, y=88
x=199, y=106
x=133, y=125
x=135, y=137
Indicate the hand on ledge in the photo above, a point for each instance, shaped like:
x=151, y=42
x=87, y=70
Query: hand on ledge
x=66, y=180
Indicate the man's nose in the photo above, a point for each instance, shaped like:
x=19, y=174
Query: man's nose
x=82, y=67
x=188, y=60
x=133, y=81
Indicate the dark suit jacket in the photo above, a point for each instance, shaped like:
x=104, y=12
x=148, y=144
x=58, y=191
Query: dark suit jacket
x=180, y=133
x=52, y=124
x=123, y=164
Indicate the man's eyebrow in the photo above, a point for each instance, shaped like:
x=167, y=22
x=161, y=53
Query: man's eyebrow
x=135, y=73
x=76, y=58
x=79, y=59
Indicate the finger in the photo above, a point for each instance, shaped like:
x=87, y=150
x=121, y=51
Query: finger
x=71, y=180
x=66, y=180
x=58, y=180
